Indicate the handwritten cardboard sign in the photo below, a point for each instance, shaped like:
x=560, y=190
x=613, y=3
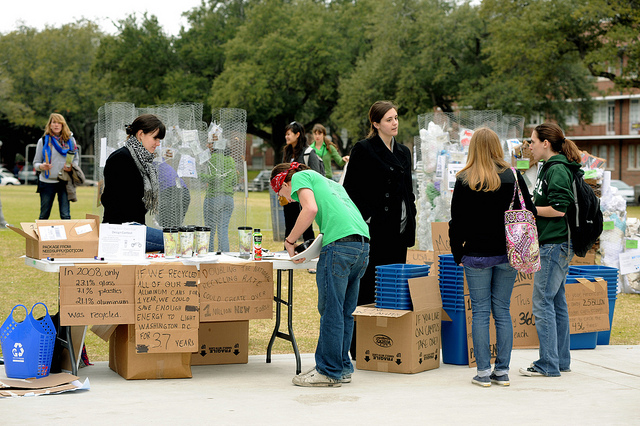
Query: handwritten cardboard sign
x=588, y=306
x=167, y=302
x=418, y=257
x=236, y=291
x=97, y=294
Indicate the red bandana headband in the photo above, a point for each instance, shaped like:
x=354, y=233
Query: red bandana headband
x=278, y=180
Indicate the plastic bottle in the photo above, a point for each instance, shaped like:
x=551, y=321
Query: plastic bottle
x=257, y=244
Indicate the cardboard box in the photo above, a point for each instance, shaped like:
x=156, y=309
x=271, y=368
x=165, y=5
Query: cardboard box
x=236, y=291
x=401, y=341
x=74, y=238
x=124, y=360
x=222, y=343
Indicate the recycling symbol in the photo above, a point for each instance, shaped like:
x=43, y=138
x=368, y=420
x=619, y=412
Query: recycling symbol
x=17, y=350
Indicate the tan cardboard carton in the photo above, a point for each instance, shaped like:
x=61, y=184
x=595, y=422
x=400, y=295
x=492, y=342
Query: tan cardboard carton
x=401, y=341
x=74, y=238
x=222, y=343
x=124, y=360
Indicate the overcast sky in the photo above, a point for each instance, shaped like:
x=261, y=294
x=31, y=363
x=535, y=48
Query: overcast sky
x=39, y=13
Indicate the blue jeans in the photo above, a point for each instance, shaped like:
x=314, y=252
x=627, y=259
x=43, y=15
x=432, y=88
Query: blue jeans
x=154, y=239
x=550, y=309
x=48, y=192
x=217, y=215
x=490, y=291
x=340, y=267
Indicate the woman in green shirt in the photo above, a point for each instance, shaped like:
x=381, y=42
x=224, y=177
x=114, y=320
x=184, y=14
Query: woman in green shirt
x=326, y=149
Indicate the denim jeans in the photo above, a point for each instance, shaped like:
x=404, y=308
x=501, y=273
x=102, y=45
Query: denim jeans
x=340, y=267
x=48, y=192
x=490, y=291
x=550, y=309
x=217, y=215
x=155, y=240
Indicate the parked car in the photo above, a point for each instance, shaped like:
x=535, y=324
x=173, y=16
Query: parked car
x=624, y=190
x=7, y=178
x=27, y=177
x=260, y=182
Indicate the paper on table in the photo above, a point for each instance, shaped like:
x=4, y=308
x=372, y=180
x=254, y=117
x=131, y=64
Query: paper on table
x=312, y=251
x=122, y=241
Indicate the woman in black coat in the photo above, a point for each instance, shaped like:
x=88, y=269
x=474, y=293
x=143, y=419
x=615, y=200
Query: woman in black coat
x=378, y=180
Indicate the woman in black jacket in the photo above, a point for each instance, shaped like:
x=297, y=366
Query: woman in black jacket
x=296, y=150
x=378, y=180
x=483, y=192
x=131, y=178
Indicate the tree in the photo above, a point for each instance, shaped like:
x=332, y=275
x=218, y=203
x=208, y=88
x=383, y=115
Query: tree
x=137, y=60
x=283, y=65
x=535, y=64
x=422, y=52
x=49, y=71
x=200, y=50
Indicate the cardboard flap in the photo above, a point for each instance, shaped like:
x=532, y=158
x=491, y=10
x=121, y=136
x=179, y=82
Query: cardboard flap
x=425, y=292
x=26, y=230
x=593, y=286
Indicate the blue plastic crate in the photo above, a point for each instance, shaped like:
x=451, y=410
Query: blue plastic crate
x=454, y=338
x=583, y=341
x=404, y=270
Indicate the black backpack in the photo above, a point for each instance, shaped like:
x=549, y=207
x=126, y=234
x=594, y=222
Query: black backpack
x=584, y=217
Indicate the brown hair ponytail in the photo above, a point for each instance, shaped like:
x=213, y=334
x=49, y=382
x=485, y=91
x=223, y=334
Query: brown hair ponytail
x=554, y=134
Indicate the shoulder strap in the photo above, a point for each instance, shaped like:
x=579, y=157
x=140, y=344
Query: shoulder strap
x=516, y=189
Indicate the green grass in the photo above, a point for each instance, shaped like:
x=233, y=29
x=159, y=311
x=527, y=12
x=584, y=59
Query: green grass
x=26, y=285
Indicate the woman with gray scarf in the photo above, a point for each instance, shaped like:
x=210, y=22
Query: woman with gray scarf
x=131, y=178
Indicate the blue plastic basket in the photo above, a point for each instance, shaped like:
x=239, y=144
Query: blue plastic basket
x=403, y=270
x=27, y=346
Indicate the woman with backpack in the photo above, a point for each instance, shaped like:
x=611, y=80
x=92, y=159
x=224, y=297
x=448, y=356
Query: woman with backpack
x=553, y=196
x=297, y=150
x=483, y=191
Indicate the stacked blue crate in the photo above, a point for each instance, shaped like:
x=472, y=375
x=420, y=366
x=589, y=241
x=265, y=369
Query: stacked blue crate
x=392, y=284
x=454, y=332
x=610, y=275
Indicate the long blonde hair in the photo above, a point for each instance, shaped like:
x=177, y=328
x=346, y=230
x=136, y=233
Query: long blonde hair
x=65, y=134
x=485, y=162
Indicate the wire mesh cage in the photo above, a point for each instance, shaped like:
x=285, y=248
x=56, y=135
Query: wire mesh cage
x=200, y=170
x=441, y=151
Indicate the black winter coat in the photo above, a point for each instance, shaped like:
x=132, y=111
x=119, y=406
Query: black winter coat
x=123, y=189
x=378, y=181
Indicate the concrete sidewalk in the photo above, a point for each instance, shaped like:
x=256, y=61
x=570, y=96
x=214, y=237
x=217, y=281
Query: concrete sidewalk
x=603, y=388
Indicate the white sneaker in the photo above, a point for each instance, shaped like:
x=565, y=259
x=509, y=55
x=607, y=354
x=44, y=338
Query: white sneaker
x=313, y=378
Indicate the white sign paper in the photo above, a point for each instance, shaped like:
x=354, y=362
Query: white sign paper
x=629, y=262
x=187, y=167
x=122, y=241
x=51, y=233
